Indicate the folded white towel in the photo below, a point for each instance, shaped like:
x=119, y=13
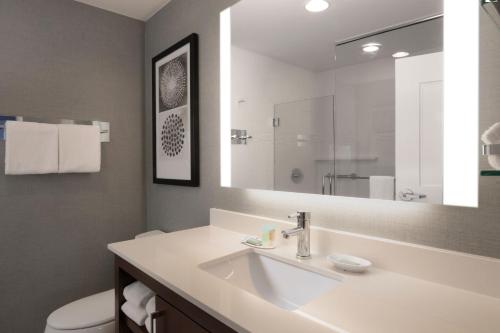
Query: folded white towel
x=30, y=148
x=137, y=293
x=148, y=325
x=136, y=313
x=492, y=136
x=149, y=234
x=382, y=187
x=79, y=148
x=151, y=306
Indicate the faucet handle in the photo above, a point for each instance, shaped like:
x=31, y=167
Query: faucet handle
x=303, y=214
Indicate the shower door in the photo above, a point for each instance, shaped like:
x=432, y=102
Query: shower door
x=303, y=146
x=364, y=126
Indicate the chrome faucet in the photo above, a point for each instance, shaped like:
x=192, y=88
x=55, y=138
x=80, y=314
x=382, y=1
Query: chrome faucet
x=302, y=231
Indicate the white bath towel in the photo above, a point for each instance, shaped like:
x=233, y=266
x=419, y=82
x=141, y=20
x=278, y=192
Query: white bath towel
x=382, y=187
x=136, y=313
x=148, y=325
x=138, y=294
x=151, y=306
x=30, y=148
x=149, y=234
x=492, y=136
x=79, y=148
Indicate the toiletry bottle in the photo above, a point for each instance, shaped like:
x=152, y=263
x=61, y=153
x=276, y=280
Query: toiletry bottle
x=268, y=235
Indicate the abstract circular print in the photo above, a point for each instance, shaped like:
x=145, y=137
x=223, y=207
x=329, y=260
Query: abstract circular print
x=173, y=83
x=172, y=135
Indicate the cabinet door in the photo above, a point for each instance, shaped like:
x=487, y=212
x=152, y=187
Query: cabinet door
x=171, y=320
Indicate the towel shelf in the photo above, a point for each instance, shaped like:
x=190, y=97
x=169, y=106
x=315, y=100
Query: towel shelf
x=493, y=149
x=104, y=126
x=490, y=173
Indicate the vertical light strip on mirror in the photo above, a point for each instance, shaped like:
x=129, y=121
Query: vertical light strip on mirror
x=225, y=98
x=461, y=103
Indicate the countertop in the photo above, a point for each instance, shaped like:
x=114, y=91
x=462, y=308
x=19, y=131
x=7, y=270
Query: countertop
x=376, y=301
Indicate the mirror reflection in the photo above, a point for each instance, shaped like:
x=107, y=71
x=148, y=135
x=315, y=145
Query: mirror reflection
x=346, y=100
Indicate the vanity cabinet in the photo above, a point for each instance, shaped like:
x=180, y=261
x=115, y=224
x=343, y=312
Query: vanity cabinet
x=172, y=320
x=174, y=314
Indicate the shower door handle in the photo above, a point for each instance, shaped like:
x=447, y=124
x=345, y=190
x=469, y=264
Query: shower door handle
x=331, y=177
x=323, y=183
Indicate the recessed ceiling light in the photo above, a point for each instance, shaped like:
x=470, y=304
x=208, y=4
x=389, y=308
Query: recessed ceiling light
x=316, y=6
x=371, y=47
x=400, y=54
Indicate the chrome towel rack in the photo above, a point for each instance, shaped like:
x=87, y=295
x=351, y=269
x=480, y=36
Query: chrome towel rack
x=104, y=126
x=352, y=176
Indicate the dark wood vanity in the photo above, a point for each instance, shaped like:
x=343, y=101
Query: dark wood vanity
x=174, y=314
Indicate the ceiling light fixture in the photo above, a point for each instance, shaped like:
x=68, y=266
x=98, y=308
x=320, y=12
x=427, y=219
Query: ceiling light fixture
x=371, y=47
x=316, y=6
x=400, y=54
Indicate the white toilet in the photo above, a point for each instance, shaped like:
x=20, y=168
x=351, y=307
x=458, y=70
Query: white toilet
x=92, y=314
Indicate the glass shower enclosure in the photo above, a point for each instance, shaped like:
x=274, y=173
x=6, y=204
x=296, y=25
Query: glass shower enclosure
x=304, y=146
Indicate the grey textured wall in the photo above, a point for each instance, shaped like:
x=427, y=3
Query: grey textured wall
x=470, y=230
x=61, y=59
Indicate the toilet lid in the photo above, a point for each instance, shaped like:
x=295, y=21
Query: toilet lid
x=87, y=312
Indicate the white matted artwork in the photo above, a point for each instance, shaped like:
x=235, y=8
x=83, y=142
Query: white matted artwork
x=175, y=114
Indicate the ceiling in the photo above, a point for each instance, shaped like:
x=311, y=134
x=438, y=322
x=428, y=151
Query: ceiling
x=284, y=30
x=422, y=38
x=138, y=9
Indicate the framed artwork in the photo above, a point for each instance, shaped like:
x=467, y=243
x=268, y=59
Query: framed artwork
x=175, y=114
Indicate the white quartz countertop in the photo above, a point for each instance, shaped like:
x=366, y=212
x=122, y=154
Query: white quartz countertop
x=376, y=301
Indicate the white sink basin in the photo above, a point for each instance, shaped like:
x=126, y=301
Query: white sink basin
x=284, y=284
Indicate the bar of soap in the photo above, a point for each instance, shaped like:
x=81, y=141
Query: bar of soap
x=254, y=241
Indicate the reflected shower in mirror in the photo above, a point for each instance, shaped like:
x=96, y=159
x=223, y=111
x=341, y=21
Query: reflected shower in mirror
x=346, y=101
x=388, y=114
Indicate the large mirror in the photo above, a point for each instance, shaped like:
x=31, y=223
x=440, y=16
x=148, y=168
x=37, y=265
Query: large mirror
x=345, y=98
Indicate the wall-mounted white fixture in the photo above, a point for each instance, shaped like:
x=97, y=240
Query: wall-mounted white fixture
x=225, y=98
x=400, y=54
x=316, y=6
x=461, y=103
x=371, y=47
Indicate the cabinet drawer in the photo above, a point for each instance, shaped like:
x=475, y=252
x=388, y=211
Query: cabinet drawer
x=178, y=315
x=172, y=320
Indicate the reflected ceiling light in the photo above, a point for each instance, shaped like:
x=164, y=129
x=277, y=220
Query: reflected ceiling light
x=371, y=47
x=316, y=6
x=400, y=54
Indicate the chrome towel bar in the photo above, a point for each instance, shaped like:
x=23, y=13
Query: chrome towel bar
x=104, y=126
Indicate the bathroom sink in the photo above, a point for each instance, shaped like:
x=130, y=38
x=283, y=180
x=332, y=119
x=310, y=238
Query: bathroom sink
x=284, y=284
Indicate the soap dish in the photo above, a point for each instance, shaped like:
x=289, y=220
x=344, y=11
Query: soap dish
x=349, y=263
x=255, y=242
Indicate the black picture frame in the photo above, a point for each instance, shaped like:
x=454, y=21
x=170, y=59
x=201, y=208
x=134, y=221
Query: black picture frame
x=175, y=74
